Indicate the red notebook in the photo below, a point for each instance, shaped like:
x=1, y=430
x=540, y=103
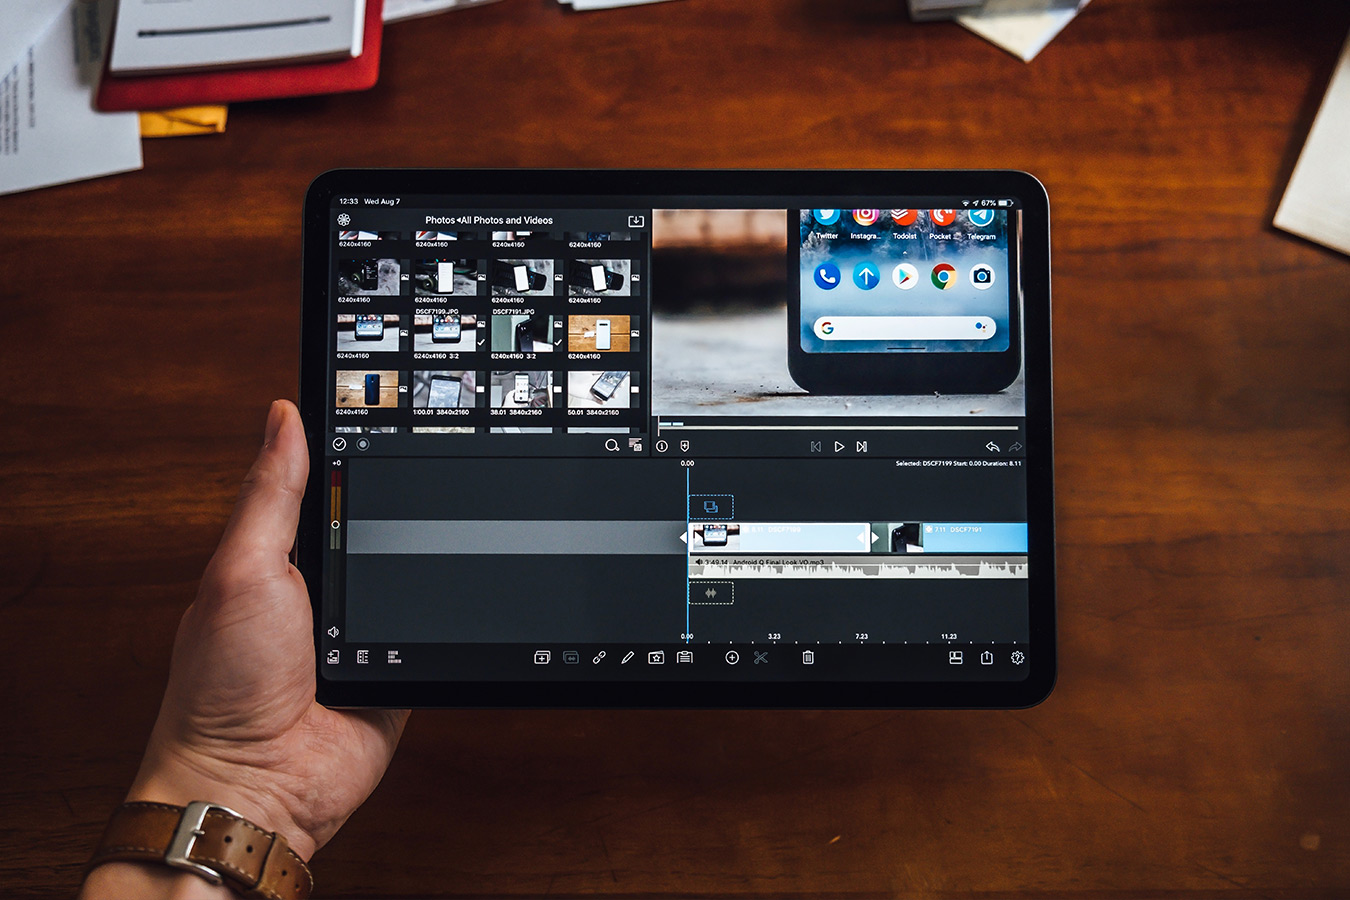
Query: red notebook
x=235, y=85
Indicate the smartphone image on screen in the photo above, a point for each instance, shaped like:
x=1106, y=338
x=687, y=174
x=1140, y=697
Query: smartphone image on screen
x=372, y=389
x=445, y=328
x=598, y=280
x=524, y=338
x=602, y=334
x=607, y=384
x=444, y=392
x=522, y=276
x=445, y=277
x=522, y=387
x=714, y=535
x=369, y=327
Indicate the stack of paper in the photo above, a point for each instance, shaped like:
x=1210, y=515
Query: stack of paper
x=1316, y=204
x=604, y=4
x=198, y=35
x=49, y=131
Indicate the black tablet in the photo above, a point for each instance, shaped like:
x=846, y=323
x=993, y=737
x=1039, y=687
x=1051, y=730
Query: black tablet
x=678, y=438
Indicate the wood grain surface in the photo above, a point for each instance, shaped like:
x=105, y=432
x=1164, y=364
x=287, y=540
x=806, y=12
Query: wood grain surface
x=1196, y=745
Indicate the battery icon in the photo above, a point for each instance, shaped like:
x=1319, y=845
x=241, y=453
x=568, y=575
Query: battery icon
x=1005, y=203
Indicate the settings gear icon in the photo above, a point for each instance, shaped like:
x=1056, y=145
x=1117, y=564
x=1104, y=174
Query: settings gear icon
x=344, y=220
x=1018, y=657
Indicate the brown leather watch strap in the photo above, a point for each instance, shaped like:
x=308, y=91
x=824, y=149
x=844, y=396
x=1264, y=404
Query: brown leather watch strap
x=212, y=841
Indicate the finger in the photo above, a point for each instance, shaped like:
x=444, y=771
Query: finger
x=262, y=527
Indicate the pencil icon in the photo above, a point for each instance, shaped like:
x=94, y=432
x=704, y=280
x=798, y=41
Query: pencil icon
x=626, y=657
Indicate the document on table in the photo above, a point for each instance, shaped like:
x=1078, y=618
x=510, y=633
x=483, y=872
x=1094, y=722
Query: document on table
x=49, y=130
x=25, y=22
x=1022, y=27
x=1316, y=204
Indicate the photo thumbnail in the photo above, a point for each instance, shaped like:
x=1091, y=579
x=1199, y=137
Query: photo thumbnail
x=443, y=235
x=599, y=277
x=593, y=236
x=522, y=334
x=596, y=390
x=599, y=334
x=370, y=332
x=521, y=390
x=369, y=235
x=715, y=537
x=903, y=537
x=453, y=389
x=445, y=277
x=445, y=331
x=366, y=429
x=367, y=388
x=370, y=276
x=522, y=277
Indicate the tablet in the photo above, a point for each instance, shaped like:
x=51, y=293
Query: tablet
x=678, y=438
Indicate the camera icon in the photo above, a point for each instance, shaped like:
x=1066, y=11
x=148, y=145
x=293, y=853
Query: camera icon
x=982, y=277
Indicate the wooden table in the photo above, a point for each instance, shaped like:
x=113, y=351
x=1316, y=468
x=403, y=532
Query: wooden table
x=1198, y=742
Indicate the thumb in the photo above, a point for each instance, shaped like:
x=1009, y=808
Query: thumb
x=262, y=528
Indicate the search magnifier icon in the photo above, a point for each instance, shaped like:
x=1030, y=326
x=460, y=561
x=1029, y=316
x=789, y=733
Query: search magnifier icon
x=612, y=445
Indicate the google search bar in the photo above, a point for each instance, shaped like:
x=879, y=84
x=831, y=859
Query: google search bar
x=904, y=328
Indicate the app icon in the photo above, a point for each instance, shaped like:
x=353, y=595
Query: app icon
x=826, y=216
x=866, y=275
x=905, y=276
x=827, y=276
x=905, y=216
x=944, y=276
x=827, y=327
x=982, y=277
x=942, y=216
x=981, y=218
x=866, y=216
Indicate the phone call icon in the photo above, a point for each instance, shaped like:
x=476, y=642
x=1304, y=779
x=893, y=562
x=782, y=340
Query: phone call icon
x=827, y=276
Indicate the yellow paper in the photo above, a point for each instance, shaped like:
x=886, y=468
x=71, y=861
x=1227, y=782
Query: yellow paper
x=183, y=121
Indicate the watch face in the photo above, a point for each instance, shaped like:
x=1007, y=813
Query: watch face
x=693, y=439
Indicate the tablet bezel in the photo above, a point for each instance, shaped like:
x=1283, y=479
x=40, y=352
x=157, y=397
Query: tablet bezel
x=535, y=187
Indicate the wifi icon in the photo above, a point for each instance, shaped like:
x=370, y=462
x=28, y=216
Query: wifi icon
x=965, y=202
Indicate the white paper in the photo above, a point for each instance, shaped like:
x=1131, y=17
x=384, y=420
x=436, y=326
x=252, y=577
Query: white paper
x=395, y=10
x=1316, y=204
x=25, y=22
x=604, y=4
x=1022, y=27
x=205, y=34
x=50, y=132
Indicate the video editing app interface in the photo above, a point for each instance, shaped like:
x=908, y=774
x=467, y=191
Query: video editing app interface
x=565, y=443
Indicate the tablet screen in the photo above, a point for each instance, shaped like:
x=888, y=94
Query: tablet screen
x=678, y=448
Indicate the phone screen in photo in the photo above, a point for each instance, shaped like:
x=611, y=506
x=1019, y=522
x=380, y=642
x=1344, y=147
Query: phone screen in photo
x=904, y=280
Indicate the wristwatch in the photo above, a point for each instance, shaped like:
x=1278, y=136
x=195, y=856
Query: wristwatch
x=209, y=840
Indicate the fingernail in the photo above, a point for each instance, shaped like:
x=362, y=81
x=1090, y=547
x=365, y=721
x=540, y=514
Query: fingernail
x=273, y=422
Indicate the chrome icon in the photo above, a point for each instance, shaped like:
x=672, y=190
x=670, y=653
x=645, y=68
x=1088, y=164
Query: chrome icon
x=905, y=276
x=944, y=276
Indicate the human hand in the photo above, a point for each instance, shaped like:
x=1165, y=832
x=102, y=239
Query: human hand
x=239, y=725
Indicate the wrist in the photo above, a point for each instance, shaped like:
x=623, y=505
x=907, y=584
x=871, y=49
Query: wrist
x=181, y=776
x=151, y=882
